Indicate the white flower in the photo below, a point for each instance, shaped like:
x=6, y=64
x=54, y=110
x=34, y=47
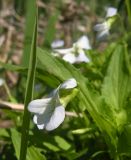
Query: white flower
x=111, y=11
x=57, y=44
x=49, y=112
x=76, y=54
x=83, y=43
x=102, y=30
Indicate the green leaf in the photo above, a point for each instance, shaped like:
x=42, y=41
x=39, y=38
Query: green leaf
x=4, y=133
x=124, y=145
x=52, y=65
x=62, y=143
x=81, y=130
x=29, y=86
x=115, y=91
x=51, y=146
x=117, y=86
x=12, y=67
x=29, y=29
x=15, y=136
x=75, y=155
x=34, y=154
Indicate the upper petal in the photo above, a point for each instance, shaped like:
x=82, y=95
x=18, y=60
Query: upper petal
x=56, y=119
x=70, y=83
x=57, y=44
x=64, y=51
x=111, y=11
x=83, y=43
x=39, y=105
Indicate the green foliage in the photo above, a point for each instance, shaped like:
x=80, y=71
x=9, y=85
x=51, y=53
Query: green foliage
x=98, y=122
x=108, y=109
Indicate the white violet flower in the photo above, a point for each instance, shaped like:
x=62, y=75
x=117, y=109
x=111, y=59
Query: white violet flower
x=50, y=112
x=111, y=11
x=103, y=29
x=76, y=54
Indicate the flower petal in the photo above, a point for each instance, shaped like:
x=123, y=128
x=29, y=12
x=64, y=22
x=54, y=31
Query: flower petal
x=39, y=105
x=57, y=44
x=83, y=43
x=111, y=11
x=43, y=117
x=35, y=119
x=103, y=35
x=56, y=119
x=70, y=57
x=100, y=27
x=64, y=51
x=82, y=57
x=70, y=83
x=40, y=126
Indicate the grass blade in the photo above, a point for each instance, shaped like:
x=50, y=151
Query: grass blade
x=29, y=93
x=30, y=21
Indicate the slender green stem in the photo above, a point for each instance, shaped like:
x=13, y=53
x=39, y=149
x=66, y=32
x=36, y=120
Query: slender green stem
x=29, y=94
x=128, y=6
x=11, y=98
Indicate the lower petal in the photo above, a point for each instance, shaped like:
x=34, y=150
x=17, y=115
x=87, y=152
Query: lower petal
x=56, y=119
x=69, y=58
x=40, y=126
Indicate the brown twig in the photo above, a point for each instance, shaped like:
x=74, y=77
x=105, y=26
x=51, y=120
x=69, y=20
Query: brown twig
x=20, y=107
